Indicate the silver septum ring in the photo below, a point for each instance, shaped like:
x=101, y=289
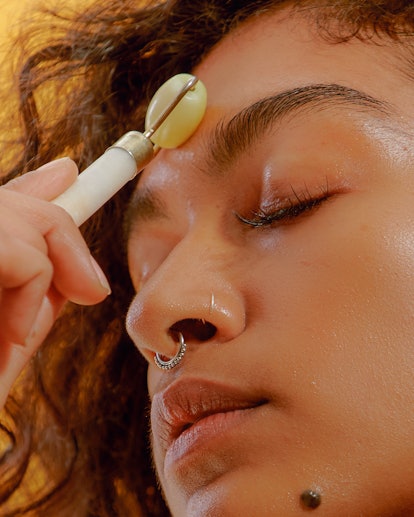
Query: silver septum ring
x=172, y=363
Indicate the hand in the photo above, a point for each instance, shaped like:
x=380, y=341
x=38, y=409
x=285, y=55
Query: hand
x=44, y=261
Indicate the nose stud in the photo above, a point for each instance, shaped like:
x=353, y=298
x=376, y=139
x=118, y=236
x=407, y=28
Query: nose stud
x=174, y=361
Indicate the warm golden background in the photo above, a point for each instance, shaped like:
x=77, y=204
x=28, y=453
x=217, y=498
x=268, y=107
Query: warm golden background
x=11, y=12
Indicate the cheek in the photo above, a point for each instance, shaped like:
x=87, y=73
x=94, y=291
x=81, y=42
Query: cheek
x=353, y=266
x=336, y=331
x=339, y=310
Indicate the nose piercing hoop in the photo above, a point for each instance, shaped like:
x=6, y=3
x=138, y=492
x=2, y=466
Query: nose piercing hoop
x=172, y=363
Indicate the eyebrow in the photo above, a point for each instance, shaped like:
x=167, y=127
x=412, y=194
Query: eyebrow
x=144, y=205
x=232, y=138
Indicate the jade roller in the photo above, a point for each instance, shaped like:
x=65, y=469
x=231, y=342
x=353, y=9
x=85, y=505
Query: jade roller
x=173, y=115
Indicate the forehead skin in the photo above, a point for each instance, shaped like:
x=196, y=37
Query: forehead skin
x=299, y=56
x=339, y=309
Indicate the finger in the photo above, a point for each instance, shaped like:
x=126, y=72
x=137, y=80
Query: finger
x=51, y=230
x=25, y=277
x=49, y=310
x=14, y=357
x=76, y=273
x=48, y=181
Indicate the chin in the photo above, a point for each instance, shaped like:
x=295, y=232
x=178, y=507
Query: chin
x=241, y=492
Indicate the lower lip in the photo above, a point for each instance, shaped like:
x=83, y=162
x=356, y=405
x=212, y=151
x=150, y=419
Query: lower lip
x=207, y=433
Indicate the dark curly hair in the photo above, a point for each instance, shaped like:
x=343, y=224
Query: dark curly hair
x=75, y=427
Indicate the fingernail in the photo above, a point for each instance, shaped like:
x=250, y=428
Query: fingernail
x=101, y=276
x=54, y=163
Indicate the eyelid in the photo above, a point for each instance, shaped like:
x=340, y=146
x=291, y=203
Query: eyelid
x=286, y=209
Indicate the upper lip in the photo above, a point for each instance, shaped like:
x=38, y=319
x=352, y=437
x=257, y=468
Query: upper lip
x=187, y=401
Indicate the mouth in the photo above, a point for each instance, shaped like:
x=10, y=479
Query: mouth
x=193, y=412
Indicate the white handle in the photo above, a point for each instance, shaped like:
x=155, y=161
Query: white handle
x=105, y=176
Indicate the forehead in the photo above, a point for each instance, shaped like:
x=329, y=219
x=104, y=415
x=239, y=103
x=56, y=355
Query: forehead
x=272, y=54
x=279, y=51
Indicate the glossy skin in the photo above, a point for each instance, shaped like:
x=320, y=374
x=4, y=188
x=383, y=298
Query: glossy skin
x=313, y=314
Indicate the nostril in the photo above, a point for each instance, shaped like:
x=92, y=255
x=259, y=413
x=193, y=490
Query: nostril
x=197, y=329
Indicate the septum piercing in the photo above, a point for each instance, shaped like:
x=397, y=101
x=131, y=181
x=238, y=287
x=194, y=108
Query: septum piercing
x=174, y=361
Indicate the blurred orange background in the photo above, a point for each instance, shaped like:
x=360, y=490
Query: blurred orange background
x=12, y=12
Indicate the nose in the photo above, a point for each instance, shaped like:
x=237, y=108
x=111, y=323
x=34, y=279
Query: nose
x=193, y=292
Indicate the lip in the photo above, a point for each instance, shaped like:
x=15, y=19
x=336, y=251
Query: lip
x=193, y=412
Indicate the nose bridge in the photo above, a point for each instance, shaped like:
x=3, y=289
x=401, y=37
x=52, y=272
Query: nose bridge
x=196, y=281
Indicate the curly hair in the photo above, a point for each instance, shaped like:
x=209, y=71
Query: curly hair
x=75, y=427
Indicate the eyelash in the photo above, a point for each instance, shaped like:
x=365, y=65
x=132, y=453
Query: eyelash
x=295, y=206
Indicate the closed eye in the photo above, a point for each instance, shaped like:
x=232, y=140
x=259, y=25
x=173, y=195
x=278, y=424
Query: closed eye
x=292, y=208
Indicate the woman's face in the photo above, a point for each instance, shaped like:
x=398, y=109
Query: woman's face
x=281, y=245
